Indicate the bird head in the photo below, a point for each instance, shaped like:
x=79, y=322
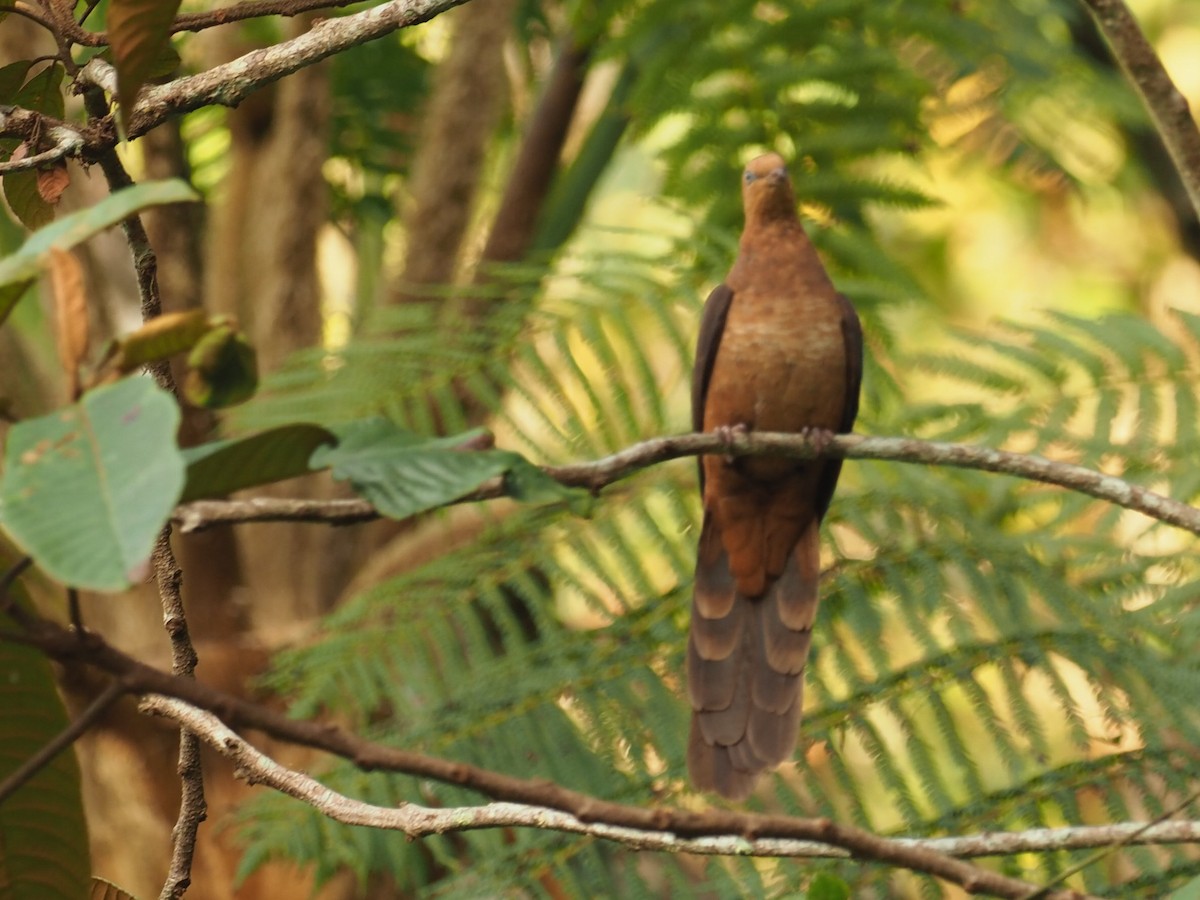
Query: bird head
x=767, y=189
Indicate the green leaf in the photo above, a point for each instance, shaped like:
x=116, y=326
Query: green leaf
x=222, y=467
x=223, y=369
x=87, y=489
x=43, y=839
x=138, y=31
x=404, y=474
x=12, y=77
x=19, y=270
x=160, y=338
x=827, y=887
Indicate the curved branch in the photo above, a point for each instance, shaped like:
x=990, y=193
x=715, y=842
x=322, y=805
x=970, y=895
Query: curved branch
x=138, y=678
x=418, y=821
x=67, y=142
x=597, y=475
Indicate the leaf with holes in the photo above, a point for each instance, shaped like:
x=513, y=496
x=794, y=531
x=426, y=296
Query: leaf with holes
x=87, y=489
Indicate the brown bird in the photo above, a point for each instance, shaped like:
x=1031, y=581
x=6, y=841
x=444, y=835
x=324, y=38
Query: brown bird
x=779, y=350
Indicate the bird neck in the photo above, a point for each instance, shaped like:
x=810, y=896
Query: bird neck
x=768, y=229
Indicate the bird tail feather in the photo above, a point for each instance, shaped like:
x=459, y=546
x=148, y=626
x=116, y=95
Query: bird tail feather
x=745, y=665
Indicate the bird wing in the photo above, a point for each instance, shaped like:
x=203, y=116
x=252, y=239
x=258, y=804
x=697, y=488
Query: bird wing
x=712, y=325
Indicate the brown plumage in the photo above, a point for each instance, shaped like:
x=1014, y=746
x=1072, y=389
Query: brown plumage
x=779, y=350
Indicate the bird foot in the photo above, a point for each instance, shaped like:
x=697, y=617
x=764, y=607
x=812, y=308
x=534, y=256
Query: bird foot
x=727, y=434
x=820, y=438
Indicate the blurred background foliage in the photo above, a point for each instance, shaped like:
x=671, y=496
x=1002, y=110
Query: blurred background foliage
x=510, y=216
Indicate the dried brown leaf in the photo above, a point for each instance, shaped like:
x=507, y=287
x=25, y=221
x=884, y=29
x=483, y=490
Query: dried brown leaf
x=70, y=313
x=52, y=182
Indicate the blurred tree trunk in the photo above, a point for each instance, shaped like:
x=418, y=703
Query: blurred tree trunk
x=459, y=121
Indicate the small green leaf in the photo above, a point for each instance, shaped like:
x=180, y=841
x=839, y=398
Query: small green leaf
x=43, y=92
x=138, y=31
x=12, y=77
x=160, y=338
x=223, y=369
x=404, y=474
x=43, y=839
x=86, y=490
x=19, y=270
x=222, y=467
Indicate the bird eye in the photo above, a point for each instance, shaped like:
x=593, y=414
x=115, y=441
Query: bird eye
x=749, y=177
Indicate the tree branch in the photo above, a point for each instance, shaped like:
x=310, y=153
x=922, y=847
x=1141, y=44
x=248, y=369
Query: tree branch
x=256, y=767
x=254, y=9
x=168, y=576
x=229, y=84
x=138, y=678
x=1167, y=106
x=594, y=476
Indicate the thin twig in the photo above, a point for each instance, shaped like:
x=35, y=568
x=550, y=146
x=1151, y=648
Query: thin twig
x=61, y=741
x=192, y=807
x=255, y=9
x=73, y=608
x=1167, y=106
x=594, y=476
x=1132, y=837
x=67, y=142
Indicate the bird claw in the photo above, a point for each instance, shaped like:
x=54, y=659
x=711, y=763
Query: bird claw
x=727, y=434
x=819, y=438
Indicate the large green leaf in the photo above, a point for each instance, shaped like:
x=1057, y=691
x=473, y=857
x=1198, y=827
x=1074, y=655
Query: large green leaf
x=43, y=840
x=222, y=467
x=20, y=269
x=403, y=473
x=86, y=490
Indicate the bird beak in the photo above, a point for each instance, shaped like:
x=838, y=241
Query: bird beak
x=777, y=176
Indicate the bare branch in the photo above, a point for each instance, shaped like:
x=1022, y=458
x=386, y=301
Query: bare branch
x=1167, y=105
x=28, y=125
x=417, y=821
x=192, y=807
x=254, y=9
x=229, y=84
x=141, y=679
x=597, y=475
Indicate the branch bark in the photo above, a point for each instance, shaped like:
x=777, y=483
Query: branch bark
x=595, y=476
x=1167, y=106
